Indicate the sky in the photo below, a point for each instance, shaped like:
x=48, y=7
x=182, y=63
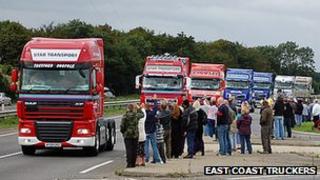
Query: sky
x=250, y=22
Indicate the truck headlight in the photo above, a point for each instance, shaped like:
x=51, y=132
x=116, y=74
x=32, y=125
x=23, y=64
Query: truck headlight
x=25, y=130
x=83, y=131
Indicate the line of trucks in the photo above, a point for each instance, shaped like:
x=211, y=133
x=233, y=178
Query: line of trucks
x=60, y=88
x=175, y=79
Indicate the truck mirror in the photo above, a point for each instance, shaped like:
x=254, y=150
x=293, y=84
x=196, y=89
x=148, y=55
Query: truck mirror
x=138, y=81
x=99, y=77
x=13, y=87
x=188, y=83
x=14, y=75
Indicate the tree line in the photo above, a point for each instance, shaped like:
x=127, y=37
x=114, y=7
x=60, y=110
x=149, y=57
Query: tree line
x=125, y=52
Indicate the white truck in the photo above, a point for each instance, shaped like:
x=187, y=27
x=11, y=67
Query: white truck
x=302, y=87
x=285, y=84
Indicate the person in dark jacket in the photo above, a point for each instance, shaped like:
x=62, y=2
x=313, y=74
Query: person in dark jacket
x=165, y=119
x=202, y=116
x=130, y=132
x=223, y=127
x=298, y=113
x=177, y=133
x=150, y=129
x=190, y=119
x=288, y=117
x=266, y=122
x=278, y=118
x=244, y=128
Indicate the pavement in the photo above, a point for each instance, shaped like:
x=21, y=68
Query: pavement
x=302, y=149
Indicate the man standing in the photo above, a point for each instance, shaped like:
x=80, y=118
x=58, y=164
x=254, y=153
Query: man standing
x=266, y=126
x=278, y=118
x=223, y=126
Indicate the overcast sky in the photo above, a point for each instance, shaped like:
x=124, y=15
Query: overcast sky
x=250, y=22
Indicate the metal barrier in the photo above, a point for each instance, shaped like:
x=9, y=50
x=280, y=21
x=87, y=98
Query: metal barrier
x=106, y=104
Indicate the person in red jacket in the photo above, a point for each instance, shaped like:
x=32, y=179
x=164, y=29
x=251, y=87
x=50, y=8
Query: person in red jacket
x=244, y=127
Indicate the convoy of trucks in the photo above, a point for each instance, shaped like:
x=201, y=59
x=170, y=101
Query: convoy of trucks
x=61, y=91
x=164, y=77
x=61, y=96
x=207, y=80
x=239, y=84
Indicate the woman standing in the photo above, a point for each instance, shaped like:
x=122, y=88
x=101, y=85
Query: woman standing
x=130, y=132
x=142, y=138
x=244, y=127
x=202, y=117
x=177, y=134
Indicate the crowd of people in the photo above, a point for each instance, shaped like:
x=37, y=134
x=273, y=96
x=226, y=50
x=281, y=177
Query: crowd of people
x=165, y=127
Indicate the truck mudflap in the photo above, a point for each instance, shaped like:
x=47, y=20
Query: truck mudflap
x=72, y=142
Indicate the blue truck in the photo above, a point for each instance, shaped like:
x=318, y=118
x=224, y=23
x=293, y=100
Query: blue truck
x=262, y=86
x=239, y=84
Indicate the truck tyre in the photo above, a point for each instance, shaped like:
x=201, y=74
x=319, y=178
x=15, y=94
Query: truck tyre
x=28, y=150
x=94, y=151
x=112, y=136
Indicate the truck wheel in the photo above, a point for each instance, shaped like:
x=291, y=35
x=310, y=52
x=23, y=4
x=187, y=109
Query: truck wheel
x=112, y=136
x=94, y=151
x=28, y=150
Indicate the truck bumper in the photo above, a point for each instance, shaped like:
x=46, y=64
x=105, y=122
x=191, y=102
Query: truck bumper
x=73, y=142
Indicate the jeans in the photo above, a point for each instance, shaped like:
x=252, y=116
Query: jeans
x=278, y=127
x=152, y=138
x=191, y=138
x=210, y=127
x=233, y=139
x=298, y=119
x=223, y=138
x=245, y=139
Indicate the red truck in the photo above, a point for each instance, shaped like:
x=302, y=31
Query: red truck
x=164, y=77
x=61, y=96
x=207, y=80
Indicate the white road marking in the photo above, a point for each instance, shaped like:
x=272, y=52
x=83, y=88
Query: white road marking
x=9, y=134
x=95, y=167
x=9, y=155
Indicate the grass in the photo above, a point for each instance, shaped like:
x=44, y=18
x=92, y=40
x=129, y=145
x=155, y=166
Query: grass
x=12, y=121
x=8, y=122
x=123, y=98
x=115, y=111
x=306, y=127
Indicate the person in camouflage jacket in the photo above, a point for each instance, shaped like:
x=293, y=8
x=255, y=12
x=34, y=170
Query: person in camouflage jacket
x=130, y=132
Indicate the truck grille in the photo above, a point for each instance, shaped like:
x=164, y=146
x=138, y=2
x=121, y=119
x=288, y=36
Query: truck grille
x=53, y=131
x=54, y=110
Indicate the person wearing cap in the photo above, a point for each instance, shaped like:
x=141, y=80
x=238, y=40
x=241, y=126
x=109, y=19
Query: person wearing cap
x=266, y=120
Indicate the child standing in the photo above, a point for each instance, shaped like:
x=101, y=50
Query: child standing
x=160, y=141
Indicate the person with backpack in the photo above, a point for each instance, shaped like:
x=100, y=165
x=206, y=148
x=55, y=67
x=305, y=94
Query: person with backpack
x=190, y=119
x=244, y=128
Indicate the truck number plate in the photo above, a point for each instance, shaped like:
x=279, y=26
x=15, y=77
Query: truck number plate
x=52, y=145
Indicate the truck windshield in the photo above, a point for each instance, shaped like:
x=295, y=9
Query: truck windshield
x=238, y=84
x=57, y=80
x=262, y=85
x=206, y=84
x=301, y=87
x=283, y=85
x=163, y=83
